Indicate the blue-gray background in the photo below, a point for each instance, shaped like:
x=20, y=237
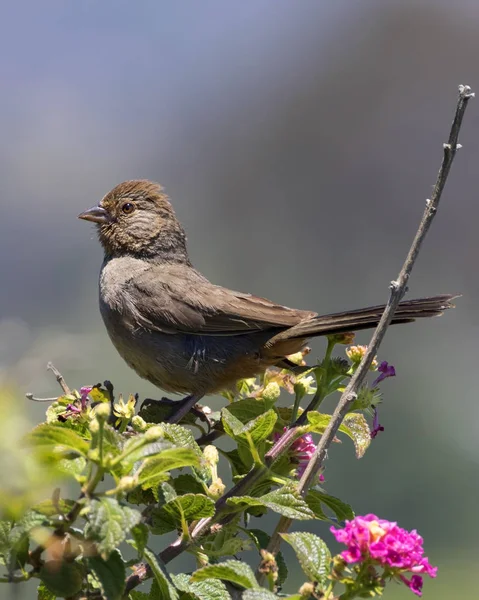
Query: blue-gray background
x=299, y=141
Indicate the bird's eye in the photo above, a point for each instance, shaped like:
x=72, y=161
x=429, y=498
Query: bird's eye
x=128, y=208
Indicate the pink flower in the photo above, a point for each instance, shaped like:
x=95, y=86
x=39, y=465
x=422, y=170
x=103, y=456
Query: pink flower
x=383, y=543
x=84, y=391
x=301, y=452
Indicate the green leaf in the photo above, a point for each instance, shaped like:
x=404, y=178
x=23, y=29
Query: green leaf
x=56, y=439
x=259, y=428
x=189, y=507
x=166, y=590
x=313, y=555
x=71, y=467
x=357, y=428
x=186, y=483
x=136, y=595
x=140, y=535
x=261, y=540
x=18, y=542
x=248, y=408
x=208, y=589
x=258, y=595
x=154, y=470
x=109, y=523
x=5, y=528
x=313, y=500
x=43, y=593
x=234, y=571
x=183, y=438
x=111, y=574
x=138, y=448
x=342, y=510
x=166, y=493
x=231, y=424
x=285, y=501
x=61, y=578
x=354, y=426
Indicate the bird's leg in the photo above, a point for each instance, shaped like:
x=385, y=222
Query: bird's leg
x=183, y=407
x=172, y=411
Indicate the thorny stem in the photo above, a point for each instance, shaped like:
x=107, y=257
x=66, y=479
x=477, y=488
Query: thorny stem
x=397, y=290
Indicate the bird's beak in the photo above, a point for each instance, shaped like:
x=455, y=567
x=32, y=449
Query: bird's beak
x=96, y=214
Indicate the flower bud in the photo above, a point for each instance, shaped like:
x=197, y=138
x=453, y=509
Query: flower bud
x=271, y=392
x=138, y=423
x=306, y=590
x=211, y=456
x=102, y=411
x=305, y=385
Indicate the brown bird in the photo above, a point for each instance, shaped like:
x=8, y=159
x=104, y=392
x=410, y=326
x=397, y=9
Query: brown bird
x=180, y=331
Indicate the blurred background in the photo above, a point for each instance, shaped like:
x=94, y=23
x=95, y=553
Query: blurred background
x=298, y=141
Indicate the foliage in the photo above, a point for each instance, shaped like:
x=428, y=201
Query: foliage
x=138, y=477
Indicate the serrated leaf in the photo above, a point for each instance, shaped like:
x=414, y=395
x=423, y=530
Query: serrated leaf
x=112, y=440
x=259, y=429
x=72, y=467
x=313, y=555
x=140, y=535
x=186, y=484
x=137, y=448
x=208, y=589
x=284, y=501
x=261, y=540
x=43, y=593
x=5, y=544
x=357, y=428
x=313, y=500
x=61, y=578
x=234, y=571
x=258, y=595
x=354, y=426
x=341, y=509
x=248, y=408
x=231, y=424
x=109, y=523
x=154, y=469
x=189, y=507
x=183, y=438
x=56, y=439
x=110, y=573
x=166, y=493
x=166, y=589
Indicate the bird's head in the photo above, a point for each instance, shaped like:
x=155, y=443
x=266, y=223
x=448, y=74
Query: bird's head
x=136, y=218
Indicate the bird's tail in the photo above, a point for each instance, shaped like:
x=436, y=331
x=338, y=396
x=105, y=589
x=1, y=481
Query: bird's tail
x=366, y=318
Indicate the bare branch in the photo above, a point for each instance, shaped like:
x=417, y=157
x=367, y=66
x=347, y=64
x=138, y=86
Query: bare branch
x=61, y=380
x=397, y=290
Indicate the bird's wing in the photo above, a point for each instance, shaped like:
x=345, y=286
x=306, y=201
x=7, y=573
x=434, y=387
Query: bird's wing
x=174, y=300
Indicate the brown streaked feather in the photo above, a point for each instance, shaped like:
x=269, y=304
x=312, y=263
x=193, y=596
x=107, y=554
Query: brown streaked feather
x=167, y=301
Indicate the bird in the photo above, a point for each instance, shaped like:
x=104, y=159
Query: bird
x=185, y=334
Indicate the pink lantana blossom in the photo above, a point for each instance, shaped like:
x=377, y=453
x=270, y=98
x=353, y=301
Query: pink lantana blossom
x=383, y=543
x=301, y=452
